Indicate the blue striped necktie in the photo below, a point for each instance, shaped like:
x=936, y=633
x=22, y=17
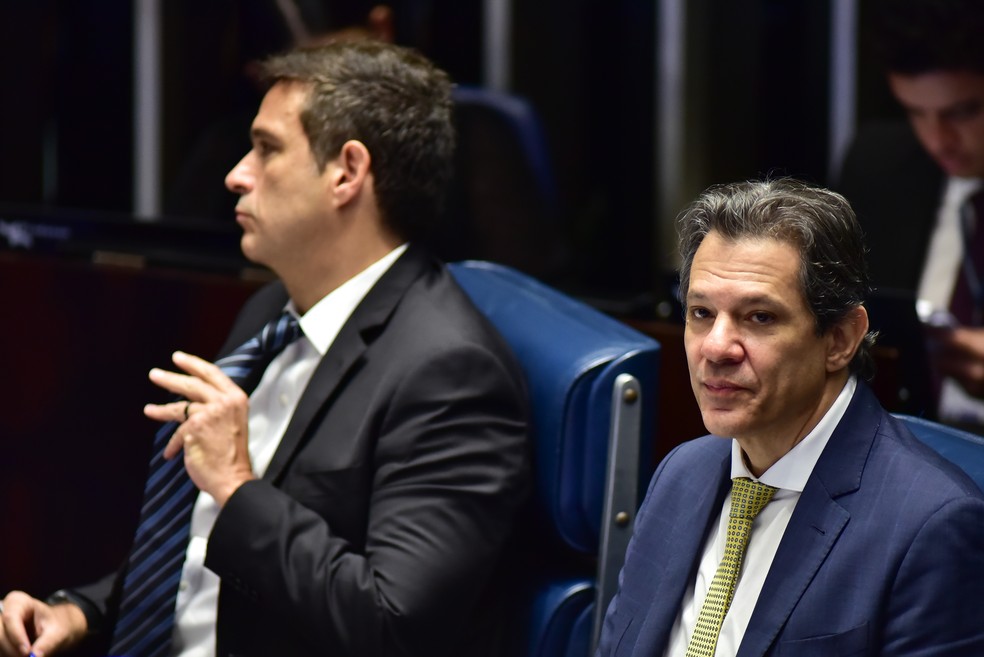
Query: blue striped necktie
x=146, y=613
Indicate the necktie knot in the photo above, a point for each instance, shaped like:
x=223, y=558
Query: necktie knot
x=749, y=497
x=278, y=334
x=246, y=364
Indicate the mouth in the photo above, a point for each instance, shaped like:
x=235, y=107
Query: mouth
x=721, y=387
x=242, y=217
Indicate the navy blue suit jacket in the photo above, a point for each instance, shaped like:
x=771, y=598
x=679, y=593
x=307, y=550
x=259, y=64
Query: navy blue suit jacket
x=883, y=555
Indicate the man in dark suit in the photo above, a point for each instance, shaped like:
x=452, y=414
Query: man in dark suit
x=358, y=500
x=912, y=185
x=865, y=541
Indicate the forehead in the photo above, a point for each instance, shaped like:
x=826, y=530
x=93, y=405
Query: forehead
x=752, y=266
x=280, y=111
x=936, y=90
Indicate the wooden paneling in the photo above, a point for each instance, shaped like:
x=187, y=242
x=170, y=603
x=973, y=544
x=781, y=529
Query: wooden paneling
x=76, y=343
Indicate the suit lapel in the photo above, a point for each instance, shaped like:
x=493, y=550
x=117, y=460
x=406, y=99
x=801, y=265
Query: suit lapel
x=814, y=528
x=816, y=523
x=356, y=336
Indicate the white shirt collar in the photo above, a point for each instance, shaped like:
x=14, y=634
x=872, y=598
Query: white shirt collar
x=792, y=471
x=958, y=190
x=325, y=319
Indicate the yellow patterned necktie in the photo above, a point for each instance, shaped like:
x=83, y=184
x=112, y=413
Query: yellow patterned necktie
x=747, y=499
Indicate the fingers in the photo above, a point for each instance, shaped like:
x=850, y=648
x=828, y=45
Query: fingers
x=968, y=340
x=18, y=615
x=959, y=354
x=214, y=409
x=174, y=445
x=202, y=380
x=178, y=411
x=181, y=385
x=58, y=627
x=202, y=383
x=970, y=374
x=203, y=370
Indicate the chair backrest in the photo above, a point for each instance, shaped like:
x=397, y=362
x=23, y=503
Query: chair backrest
x=503, y=203
x=961, y=447
x=592, y=383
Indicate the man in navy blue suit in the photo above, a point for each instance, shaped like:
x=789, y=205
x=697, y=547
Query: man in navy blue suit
x=871, y=543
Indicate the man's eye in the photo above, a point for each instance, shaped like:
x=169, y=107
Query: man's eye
x=965, y=113
x=699, y=313
x=761, y=317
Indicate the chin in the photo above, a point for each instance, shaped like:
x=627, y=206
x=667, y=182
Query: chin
x=722, y=423
x=248, y=246
x=961, y=169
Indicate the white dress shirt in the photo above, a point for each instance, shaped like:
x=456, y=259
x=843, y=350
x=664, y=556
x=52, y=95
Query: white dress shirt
x=943, y=258
x=271, y=406
x=939, y=278
x=789, y=474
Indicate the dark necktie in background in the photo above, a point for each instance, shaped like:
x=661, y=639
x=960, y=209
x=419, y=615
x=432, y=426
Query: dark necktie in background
x=146, y=614
x=967, y=302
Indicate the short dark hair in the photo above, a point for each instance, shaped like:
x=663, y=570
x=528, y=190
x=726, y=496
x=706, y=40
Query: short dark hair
x=394, y=101
x=912, y=37
x=818, y=222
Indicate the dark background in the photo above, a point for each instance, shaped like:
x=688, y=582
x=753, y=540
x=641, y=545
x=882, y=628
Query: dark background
x=757, y=78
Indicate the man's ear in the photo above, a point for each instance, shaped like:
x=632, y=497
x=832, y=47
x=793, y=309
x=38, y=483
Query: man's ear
x=349, y=172
x=844, y=338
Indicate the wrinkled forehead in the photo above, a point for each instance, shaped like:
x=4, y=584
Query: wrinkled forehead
x=758, y=266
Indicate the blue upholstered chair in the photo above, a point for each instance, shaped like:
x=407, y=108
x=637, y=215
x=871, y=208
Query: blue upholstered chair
x=961, y=447
x=503, y=203
x=521, y=123
x=592, y=383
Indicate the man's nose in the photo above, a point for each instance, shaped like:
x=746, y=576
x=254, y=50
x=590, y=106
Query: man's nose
x=240, y=179
x=937, y=136
x=722, y=343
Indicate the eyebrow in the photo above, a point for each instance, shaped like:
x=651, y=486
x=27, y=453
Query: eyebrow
x=962, y=105
x=966, y=105
x=753, y=300
x=262, y=133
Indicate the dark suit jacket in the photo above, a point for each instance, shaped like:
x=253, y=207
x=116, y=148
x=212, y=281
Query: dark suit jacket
x=379, y=522
x=895, y=188
x=883, y=555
